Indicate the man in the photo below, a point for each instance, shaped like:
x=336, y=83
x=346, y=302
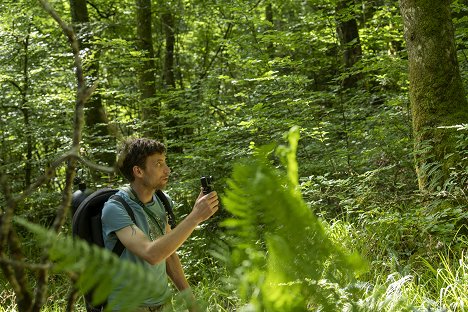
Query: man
x=151, y=242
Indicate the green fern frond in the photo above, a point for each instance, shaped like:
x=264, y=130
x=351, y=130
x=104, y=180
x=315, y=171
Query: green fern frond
x=281, y=247
x=99, y=269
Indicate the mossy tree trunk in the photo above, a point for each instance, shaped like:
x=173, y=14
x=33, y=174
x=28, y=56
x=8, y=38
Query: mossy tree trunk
x=437, y=95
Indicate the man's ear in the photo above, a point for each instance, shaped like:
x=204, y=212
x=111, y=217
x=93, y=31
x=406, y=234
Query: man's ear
x=137, y=172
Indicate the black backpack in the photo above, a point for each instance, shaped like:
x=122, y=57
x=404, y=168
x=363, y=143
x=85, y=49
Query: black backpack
x=86, y=224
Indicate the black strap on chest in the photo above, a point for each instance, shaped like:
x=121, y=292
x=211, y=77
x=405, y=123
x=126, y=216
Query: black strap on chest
x=167, y=206
x=119, y=247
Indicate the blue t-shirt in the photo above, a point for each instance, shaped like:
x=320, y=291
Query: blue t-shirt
x=152, y=221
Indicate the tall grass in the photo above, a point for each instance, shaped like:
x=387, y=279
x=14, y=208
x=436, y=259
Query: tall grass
x=7, y=300
x=434, y=283
x=446, y=284
x=443, y=288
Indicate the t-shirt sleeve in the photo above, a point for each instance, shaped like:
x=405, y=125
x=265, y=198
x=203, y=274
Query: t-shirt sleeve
x=114, y=217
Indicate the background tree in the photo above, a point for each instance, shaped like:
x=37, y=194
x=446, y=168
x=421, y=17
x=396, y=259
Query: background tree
x=97, y=124
x=176, y=125
x=436, y=90
x=147, y=80
x=348, y=34
x=12, y=252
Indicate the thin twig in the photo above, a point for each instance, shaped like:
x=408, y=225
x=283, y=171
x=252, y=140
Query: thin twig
x=218, y=51
x=25, y=265
x=50, y=171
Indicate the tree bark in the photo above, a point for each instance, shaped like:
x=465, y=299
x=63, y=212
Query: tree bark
x=269, y=19
x=97, y=124
x=168, y=24
x=26, y=113
x=436, y=94
x=151, y=107
x=348, y=34
x=174, y=124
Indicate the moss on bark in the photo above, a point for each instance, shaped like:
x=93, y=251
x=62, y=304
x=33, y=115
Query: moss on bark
x=436, y=90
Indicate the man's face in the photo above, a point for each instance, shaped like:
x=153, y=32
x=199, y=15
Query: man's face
x=156, y=172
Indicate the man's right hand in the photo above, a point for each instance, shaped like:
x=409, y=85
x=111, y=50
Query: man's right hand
x=205, y=206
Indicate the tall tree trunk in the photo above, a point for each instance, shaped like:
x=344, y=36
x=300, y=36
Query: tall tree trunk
x=97, y=124
x=348, y=34
x=437, y=95
x=269, y=19
x=26, y=114
x=168, y=24
x=146, y=79
x=175, y=128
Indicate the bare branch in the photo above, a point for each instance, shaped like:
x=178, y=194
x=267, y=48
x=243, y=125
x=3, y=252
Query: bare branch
x=97, y=167
x=100, y=13
x=48, y=174
x=14, y=267
x=220, y=49
x=16, y=85
x=48, y=8
x=25, y=265
x=68, y=31
x=82, y=95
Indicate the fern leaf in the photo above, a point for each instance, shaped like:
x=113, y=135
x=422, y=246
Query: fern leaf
x=98, y=268
x=281, y=247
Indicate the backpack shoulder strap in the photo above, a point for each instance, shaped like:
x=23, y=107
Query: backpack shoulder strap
x=167, y=207
x=119, y=247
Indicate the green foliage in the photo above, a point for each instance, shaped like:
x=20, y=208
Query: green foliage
x=241, y=82
x=35, y=124
x=281, y=251
x=448, y=176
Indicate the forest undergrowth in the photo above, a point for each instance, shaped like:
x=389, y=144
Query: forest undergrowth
x=413, y=246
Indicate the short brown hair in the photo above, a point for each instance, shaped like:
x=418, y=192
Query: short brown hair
x=134, y=152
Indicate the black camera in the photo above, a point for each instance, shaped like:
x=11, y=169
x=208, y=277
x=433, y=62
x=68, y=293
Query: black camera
x=206, y=183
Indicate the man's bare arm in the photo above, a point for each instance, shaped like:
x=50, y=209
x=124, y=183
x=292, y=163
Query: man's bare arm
x=156, y=251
